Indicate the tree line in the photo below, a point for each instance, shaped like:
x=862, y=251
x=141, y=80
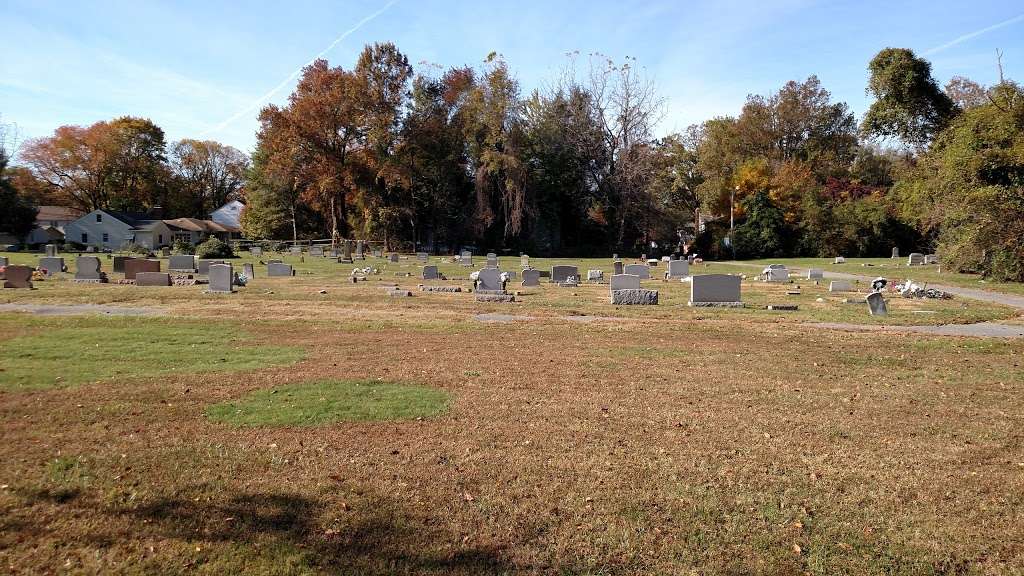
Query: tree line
x=445, y=158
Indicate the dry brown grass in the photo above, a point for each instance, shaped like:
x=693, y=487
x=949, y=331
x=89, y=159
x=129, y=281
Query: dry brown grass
x=667, y=442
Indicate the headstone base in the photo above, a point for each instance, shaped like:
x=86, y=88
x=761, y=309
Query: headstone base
x=635, y=297
x=494, y=297
x=441, y=288
x=715, y=304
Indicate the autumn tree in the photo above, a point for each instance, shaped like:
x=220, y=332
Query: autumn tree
x=118, y=165
x=208, y=174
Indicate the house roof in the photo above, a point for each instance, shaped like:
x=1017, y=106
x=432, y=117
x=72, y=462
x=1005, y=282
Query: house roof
x=196, y=225
x=133, y=219
x=51, y=213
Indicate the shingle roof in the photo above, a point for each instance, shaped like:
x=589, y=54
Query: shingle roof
x=50, y=213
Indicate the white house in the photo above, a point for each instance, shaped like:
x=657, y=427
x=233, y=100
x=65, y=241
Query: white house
x=229, y=215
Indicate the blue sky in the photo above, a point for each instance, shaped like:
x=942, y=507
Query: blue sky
x=202, y=68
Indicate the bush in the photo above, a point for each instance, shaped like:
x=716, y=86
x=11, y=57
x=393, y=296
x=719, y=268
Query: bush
x=213, y=247
x=137, y=249
x=183, y=247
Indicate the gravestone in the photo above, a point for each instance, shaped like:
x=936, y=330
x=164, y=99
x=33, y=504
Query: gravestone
x=915, y=259
x=715, y=290
x=635, y=297
x=642, y=271
x=360, y=250
x=624, y=282
x=489, y=280
x=815, y=274
x=595, y=275
x=51, y=250
x=153, y=279
x=492, y=260
x=617, y=268
x=422, y=256
x=278, y=269
x=203, y=266
x=561, y=272
x=249, y=271
x=87, y=269
x=346, y=254
x=531, y=277
x=677, y=269
x=165, y=252
x=182, y=263
x=840, y=286
x=256, y=251
x=393, y=257
x=315, y=251
x=839, y=260
x=524, y=261
x=895, y=251
x=3, y=261
x=690, y=258
x=430, y=273
x=134, y=266
x=296, y=250
x=931, y=259
x=377, y=253
x=222, y=278
x=466, y=258
x=775, y=273
x=876, y=304
x=119, y=263
x=18, y=277
x=52, y=265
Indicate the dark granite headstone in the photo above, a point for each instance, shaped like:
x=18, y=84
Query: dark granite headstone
x=561, y=273
x=430, y=273
x=152, y=279
x=182, y=263
x=715, y=289
x=119, y=263
x=136, y=265
x=18, y=277
x=531, y=277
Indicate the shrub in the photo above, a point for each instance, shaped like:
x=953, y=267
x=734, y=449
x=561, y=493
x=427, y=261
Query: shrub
x=213, y=247
x=136, y=249
x=182, y=247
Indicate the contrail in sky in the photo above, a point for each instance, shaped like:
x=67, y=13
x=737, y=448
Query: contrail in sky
x=974, y=34
x=256, y=103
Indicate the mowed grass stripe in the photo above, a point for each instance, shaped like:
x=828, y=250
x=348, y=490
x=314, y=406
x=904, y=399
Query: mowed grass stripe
x=91, y=350
x=329, y=401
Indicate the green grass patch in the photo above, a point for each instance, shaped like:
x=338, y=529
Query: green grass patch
x=101, y=349
x=328, y=401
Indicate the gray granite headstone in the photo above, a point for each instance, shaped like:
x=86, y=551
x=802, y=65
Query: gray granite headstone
x=87, y=269
x=492, y=260
x=715, y=289
x=840, y=286
x=134, y=266
x=346, y=252
x=277, y=269
x=316, y=250
x=51, y=250
x=296, y=250
x=203, y=266
x=430, y=273
x=52, y=264
x=618, y=268
x=222, y=278
x=18, y=277
x=624, y=282
x=524, y=261
x=422, y=256
x=256, y=251
x=377, y=253
x=677, y=269
x=182, y=263
x=531, y=277
x=776, y=273
x=931, y=259
x=561, y=272
x=466, y=258
x=489, y=279
x=393, y=257
x=876, y=304
x=635, y=297
x=3, y=261
x=839, y=260
x=815, y=274
x=642, y=271
x=915, y=259
x=895, y=251
x=152, y=279
x=360, y=250
x=248, y=270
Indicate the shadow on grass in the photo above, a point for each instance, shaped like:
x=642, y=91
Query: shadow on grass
x=377, y=540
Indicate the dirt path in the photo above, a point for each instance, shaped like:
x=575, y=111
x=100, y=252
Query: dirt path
x=71, y=309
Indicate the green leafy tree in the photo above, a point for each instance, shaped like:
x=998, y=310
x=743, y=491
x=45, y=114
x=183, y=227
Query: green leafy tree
x=18, y=215
x=764, y=233
x=909, y=105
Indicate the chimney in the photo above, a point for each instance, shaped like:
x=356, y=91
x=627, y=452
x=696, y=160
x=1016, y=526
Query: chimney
x=156, y=213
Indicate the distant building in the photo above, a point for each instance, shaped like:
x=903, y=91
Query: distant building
x=50, y=223
x=111, y=230
x=229, y=215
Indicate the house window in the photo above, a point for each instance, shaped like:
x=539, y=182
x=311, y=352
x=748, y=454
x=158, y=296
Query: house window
x=106, y=238
x=99, y=217
x=160, y=238
x=85, y=238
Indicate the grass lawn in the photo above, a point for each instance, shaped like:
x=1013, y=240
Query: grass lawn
x=309, y=425
x=315, y=403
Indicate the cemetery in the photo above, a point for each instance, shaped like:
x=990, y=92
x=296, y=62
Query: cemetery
x=429, y=388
